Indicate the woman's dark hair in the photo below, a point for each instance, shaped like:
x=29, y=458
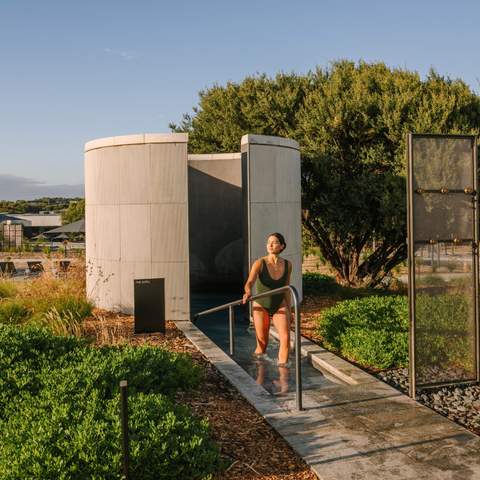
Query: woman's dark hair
x=280, y=238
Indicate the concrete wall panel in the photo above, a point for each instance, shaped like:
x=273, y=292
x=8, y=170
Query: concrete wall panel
x=177, y=289
x=90, y=231
x=287, y=175
x=107, y=232
x=168, y=178
x=104, y=291
x=134, y=179
x=263, y=171
x=135, y=233
x=107, y=177
x=169, y=242
x=91, y=175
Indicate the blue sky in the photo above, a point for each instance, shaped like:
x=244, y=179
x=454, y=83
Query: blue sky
x=74, y=71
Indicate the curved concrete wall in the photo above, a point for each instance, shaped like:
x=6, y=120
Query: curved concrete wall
x=272, y=198
x=137, y=219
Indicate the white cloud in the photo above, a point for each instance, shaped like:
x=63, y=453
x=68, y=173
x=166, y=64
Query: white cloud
x=125, y=54
x=21, y=188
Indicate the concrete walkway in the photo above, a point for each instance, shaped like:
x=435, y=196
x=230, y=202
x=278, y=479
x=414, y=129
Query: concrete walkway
x=360, y=429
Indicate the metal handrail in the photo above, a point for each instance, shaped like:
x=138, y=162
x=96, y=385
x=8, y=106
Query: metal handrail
x=296, y=303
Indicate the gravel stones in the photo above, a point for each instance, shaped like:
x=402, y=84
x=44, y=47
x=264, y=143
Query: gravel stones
x=458, y=403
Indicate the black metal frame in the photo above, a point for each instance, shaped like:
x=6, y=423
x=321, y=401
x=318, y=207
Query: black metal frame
x=411, y=257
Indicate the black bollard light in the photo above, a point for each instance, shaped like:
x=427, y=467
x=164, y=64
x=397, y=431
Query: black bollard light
x=124, y=423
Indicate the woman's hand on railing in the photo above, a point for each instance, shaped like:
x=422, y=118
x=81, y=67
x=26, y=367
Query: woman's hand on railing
x=246, y=296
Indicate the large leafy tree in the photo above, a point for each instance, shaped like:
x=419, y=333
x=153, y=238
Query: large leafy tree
x=74, y=212
x=351, y=120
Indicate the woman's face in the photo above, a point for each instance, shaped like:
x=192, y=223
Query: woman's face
x=274, y=245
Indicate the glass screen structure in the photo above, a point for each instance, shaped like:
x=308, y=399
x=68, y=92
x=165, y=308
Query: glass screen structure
x=442, y=260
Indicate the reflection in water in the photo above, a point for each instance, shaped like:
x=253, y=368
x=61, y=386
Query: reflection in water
x=275, y=380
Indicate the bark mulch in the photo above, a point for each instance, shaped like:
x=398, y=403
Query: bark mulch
x=253, y=449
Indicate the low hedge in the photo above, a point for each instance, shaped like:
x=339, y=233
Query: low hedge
x=59, y=410
x=373, y=331
x=54, y=435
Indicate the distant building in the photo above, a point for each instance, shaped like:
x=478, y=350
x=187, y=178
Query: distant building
x=33, y=223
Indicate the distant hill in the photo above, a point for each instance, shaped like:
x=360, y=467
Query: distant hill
x=20, y=188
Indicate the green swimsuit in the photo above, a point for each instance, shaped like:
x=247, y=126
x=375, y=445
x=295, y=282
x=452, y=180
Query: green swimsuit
x=265, y=283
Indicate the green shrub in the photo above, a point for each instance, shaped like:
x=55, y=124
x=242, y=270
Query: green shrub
x=317, y=283
x=13, y=311
x=444, y=330
x=7, y=289
x=25, y=355
x=59, y=410
x=147, y=370
x=33, y=358
x=55, y=435
x=372, y=331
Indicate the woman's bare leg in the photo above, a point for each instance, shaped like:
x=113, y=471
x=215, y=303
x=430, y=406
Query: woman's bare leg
x=281, y=320
x=261, y=322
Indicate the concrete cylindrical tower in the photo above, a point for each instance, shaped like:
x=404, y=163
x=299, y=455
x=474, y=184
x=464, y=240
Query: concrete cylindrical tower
x=272, y=198
x=136, y=197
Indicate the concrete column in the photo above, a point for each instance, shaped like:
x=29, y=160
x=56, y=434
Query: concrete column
x=137, y=219
x=272, y=198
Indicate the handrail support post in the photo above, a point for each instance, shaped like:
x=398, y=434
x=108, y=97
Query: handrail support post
x=231, y=322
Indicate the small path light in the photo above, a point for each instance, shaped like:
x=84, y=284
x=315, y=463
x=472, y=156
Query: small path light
x=124, y=423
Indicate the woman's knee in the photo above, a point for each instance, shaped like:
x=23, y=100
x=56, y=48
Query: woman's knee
x=284, y=337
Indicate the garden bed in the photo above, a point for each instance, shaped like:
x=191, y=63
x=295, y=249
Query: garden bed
x=460, y=403
x=253, y=449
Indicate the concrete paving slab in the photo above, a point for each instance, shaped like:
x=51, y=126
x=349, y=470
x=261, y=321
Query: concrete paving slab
x=361, y=429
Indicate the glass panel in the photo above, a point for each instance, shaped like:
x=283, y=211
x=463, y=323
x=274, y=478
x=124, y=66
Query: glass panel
x=442, y=162
x=442, y=217
x=444, y=313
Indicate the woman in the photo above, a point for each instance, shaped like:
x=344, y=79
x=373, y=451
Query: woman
x=270, y=272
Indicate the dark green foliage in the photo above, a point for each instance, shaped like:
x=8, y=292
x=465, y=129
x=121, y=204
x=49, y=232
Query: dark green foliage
x=59, y=410
x=54, y=204
x=372, y=331
x=74, y=212
x=351, y=122
x=25, y=354
x=445, y=330
x=147, y=369
x=177, y=443
x=319, y=284
x=60, y=435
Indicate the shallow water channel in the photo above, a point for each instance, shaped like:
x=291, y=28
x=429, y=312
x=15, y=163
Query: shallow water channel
x=276, y=380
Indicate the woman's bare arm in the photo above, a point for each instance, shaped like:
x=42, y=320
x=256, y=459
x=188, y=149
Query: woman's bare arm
x=288, y=295
x=252, y=277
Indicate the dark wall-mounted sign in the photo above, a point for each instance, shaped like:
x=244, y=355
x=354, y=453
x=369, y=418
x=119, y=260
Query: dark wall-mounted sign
x=149, y=305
